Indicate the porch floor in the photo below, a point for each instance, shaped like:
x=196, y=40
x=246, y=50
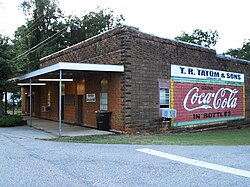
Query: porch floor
x=51, y=127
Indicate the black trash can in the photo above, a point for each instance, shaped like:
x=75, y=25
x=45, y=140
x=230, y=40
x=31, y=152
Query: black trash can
x=103, y=120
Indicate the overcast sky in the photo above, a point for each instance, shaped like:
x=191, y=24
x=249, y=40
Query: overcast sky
x=164, y=18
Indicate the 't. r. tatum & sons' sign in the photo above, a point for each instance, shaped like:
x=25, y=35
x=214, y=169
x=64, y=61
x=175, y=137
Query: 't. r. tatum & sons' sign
x=205, y=95
x=200, y=73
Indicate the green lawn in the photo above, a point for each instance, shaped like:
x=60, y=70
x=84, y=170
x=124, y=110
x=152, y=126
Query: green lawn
x=218, y=137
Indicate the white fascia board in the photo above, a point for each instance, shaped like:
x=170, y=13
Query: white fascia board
x=90, y=67
x=73, y=66
x=38, y=72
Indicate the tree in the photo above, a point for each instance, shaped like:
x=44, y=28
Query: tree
x=91, y=24
x=6, y=70
x=43, y=18
x=199, y=37
x=47, y=30
x=243, y=53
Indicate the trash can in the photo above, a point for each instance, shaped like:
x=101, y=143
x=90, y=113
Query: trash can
x=103, y=120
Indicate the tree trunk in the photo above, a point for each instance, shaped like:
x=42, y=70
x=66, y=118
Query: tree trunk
x=6, y=103
x=13, y=105
x=1, y=103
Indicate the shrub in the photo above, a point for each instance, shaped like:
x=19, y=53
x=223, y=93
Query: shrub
x=11, y=121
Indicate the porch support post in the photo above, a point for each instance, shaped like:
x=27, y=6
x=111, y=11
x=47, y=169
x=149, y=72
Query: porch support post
x=31, y=103
x=60, y=104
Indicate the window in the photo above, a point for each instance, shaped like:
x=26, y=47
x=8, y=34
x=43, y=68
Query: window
x=164, y=98
x=164, y=94
x=104, y=101
x=48, y=98
x=104, y=95
x=69, y=99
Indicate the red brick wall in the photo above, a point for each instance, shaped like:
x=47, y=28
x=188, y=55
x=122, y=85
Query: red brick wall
x=115, y=101
x=69, y=109
x=92, y=86
x=54, y=93
x=42, y=95
x=102, y=49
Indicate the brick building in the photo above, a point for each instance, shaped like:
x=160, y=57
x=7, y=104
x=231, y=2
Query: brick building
x=136, y=75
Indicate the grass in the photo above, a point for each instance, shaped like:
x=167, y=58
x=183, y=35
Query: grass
x=218, y=137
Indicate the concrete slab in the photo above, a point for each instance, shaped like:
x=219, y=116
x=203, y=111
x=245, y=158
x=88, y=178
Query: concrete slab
x=25, y=132
x=51, y=127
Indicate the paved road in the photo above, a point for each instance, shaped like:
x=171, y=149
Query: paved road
x=25, y=161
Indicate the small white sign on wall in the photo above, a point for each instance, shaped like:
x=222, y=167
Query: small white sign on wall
x=90, y=98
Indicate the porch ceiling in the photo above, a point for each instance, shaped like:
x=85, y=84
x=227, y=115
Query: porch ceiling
x=70, y=66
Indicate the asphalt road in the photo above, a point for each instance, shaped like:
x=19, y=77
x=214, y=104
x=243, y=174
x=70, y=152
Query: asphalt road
x=25, y=161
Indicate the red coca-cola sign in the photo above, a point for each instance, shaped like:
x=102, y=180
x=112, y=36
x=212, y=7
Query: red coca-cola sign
x=195, y=101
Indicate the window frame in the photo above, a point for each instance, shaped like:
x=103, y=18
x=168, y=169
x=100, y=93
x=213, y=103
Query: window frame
x=104, y=101
x=104, y=95
x=166, y=97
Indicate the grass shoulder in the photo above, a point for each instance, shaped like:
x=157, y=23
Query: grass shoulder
x=217, y=137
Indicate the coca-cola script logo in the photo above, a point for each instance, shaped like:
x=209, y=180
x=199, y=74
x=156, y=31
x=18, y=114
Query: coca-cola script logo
x=223, y=98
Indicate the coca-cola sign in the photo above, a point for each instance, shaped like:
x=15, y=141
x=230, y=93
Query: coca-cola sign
x=197, y=102
x=220, y=99
x=206, y=95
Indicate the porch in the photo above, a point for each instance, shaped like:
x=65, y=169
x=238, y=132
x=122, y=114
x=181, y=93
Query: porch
x=51, y=127
x=72, y=92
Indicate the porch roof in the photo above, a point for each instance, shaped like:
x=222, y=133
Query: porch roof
x=74, y=67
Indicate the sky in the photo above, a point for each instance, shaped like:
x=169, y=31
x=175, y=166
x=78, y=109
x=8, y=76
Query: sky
x=163, y=18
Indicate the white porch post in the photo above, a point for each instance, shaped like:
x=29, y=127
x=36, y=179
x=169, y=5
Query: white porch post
x=31, y=103
x=60, y=104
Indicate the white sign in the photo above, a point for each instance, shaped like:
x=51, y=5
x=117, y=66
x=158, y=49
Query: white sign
x=90, y=98
x=208, y=74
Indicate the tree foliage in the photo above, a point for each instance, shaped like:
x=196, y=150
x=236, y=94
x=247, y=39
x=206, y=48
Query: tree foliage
x=6, y=69
x=243, y=53
x=47, y=30
x=42, y=22
x=91, y=24
x=199, y=37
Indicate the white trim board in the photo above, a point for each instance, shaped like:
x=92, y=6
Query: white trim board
x=73, y=66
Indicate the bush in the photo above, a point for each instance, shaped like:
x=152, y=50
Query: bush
x=11, y=121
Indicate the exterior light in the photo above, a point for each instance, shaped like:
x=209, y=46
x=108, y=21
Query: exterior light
x=32, y=84
x=56, y=80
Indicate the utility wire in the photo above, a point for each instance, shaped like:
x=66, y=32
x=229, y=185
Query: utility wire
x=41, y=44
x=34, y=23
